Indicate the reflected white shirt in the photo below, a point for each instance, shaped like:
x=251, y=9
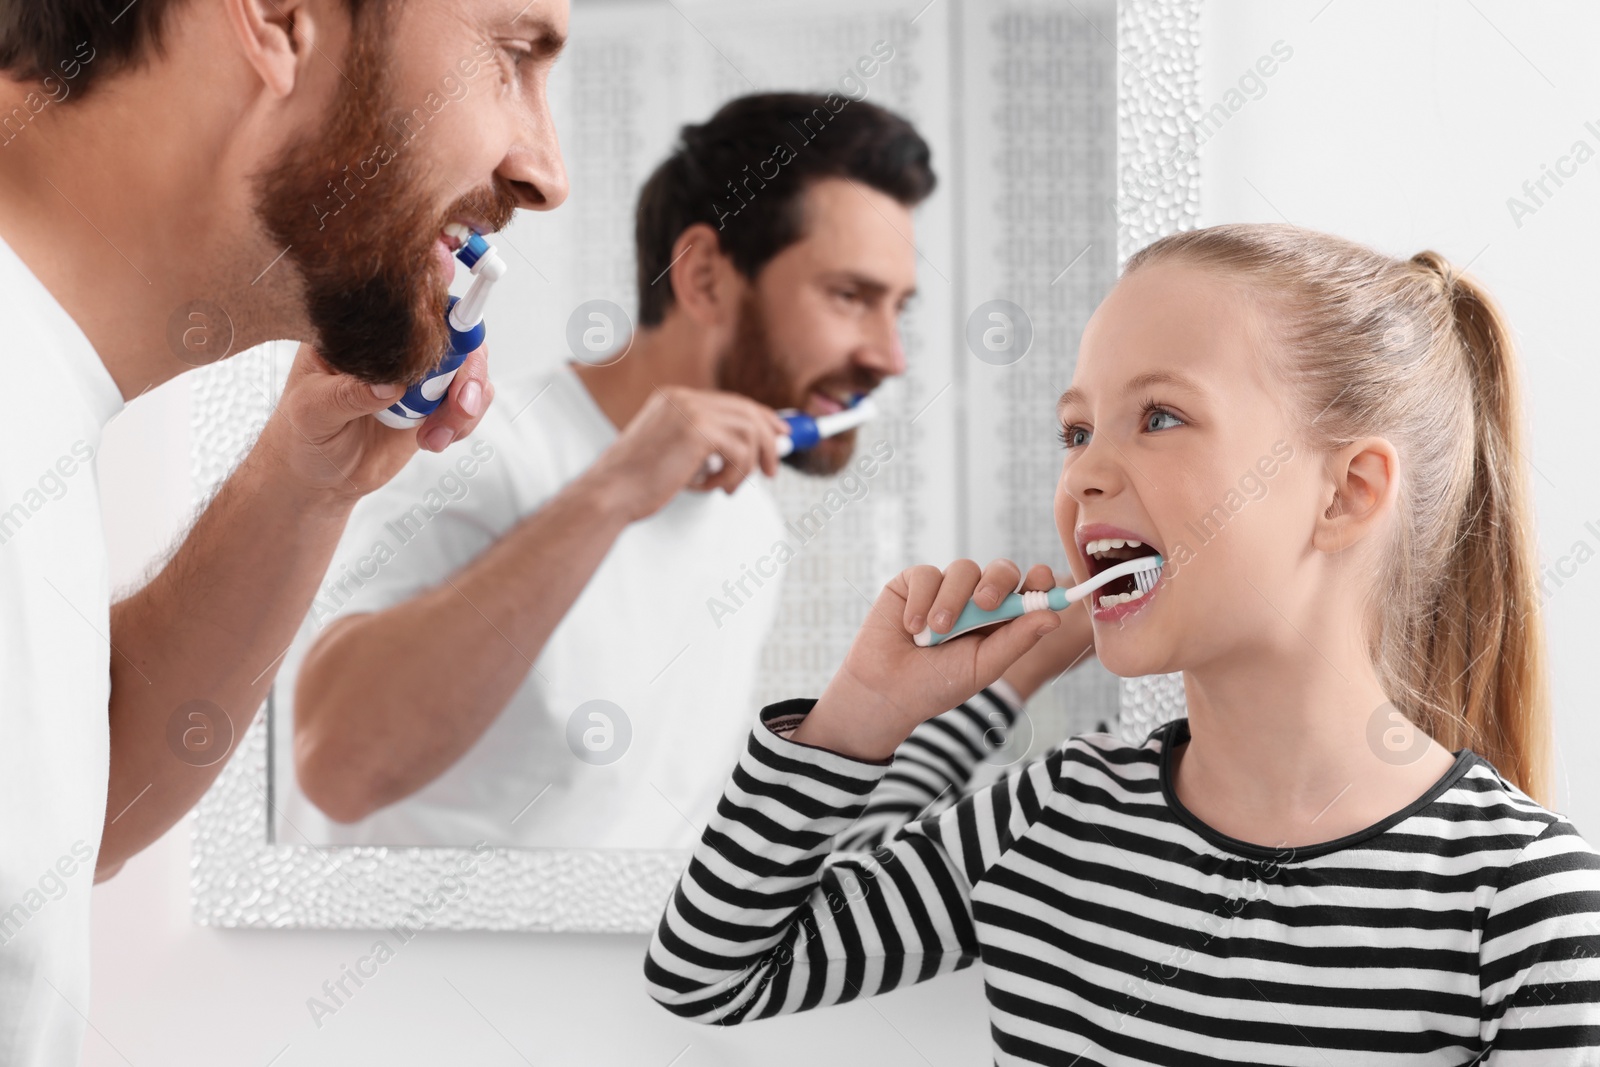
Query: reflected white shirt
x=639, y=638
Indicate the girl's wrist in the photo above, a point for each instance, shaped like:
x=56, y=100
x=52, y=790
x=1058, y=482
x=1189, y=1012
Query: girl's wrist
x=855, y=725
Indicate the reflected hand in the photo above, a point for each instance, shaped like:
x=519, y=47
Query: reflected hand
x=661, y=450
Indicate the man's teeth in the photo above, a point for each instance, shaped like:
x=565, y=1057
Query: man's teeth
x=458, y=231
x=1106, y=544
x=843, y=402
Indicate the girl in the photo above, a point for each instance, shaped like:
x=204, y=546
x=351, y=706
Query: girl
x=1339, y=856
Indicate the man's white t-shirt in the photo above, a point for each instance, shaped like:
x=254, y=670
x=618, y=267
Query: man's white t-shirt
x=639, y=644
x=55, y=682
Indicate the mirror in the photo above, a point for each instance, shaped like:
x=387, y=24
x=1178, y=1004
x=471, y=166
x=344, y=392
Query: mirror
x=1055, y=129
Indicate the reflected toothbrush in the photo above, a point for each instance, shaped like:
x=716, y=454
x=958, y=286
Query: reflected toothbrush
x=465, y=318
x=805, y=431
x=1146, y=570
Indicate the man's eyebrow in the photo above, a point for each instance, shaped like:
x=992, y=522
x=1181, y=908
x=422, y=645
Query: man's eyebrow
x=872, y=285
x=863, y=281
x=546, y=39
x=1137, y=384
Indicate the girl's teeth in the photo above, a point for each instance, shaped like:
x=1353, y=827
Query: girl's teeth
x=1105, y=544
x=1119, y=598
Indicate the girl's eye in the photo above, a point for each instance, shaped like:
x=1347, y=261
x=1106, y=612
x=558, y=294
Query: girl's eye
x=1158, y=413
x=1069, y=436
x=1075, y=436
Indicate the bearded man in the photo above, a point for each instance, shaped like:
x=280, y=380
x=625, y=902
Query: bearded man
x=165, y=177
x=570, y=615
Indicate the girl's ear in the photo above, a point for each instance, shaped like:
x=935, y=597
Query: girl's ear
x=704, y=281
x=1364, y=482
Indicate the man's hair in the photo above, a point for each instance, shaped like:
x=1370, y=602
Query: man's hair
x=745, y=171
x=39, y=37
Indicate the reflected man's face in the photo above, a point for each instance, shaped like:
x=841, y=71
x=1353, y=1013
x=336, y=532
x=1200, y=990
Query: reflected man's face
x=822, y=319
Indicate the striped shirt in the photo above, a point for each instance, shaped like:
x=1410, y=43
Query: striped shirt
x=1114, y=928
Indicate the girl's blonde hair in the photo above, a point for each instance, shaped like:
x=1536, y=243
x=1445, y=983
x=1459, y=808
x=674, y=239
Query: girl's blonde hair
x=1418, y=353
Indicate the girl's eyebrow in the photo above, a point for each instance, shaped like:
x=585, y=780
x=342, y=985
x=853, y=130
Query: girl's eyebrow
x=1137, y=384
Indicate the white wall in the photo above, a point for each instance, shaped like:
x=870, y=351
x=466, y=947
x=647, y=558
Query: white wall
x=1406, y=126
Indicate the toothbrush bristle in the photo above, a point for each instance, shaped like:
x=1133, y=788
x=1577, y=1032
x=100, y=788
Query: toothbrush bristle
x=472, y=249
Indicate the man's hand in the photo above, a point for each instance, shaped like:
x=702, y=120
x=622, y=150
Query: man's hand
x=661, y=450
x=211, y=628
x=323, y=433
x=888, y=685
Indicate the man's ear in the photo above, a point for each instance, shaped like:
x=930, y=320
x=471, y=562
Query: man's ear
x=276, y=37
x=1364, y=483
x=705, y=283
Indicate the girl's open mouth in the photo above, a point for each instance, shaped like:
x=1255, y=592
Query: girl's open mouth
x=1120, y=597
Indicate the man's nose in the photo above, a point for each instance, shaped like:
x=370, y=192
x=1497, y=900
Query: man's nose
x=884, y=354
x=535, y=171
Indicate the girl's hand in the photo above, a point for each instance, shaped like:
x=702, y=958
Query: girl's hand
x=888, y=685
x=1070, y=645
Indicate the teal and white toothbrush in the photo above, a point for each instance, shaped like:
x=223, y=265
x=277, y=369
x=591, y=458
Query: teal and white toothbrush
x=1145, y=570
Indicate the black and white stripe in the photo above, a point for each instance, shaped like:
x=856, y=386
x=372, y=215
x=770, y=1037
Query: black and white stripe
x=1115, y=929
x=932, y=767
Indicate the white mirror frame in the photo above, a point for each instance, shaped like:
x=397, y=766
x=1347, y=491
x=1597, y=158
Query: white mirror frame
x=241, y=878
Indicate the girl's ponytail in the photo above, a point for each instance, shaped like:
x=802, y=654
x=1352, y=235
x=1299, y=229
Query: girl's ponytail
x=1487, y=651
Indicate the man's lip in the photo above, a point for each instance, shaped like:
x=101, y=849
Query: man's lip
x=854, y=395
x=447, y=260
x=827, y=401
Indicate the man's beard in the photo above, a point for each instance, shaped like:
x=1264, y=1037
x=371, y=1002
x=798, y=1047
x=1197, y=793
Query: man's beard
x=365, y=246
x=750, y=367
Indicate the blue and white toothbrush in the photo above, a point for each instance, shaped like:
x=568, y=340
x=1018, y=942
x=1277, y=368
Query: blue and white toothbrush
x=805, y=431
x=465, y=317
x=1145, y=570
